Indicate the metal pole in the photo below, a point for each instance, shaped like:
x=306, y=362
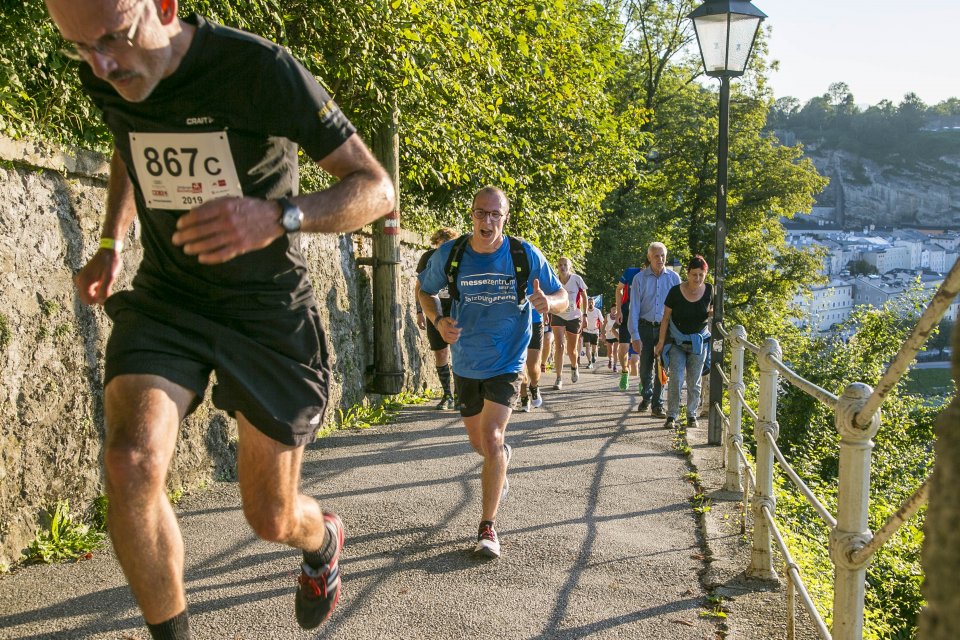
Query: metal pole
x=853, y=499
x=761, y=560
x=734, y=479
x=715, y=423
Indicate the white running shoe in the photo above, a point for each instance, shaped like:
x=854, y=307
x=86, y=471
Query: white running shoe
x=575, y=375
x=558, y=384
x=488, y=544
x=536, y=400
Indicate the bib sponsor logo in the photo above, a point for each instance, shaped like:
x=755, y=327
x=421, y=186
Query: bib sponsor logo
x=184, y=170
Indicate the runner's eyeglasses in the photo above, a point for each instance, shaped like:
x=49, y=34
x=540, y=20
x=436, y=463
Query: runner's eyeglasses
x=481, y=214
x=111, y=44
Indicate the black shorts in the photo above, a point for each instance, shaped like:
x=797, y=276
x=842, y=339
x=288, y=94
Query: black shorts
x=536, y=337
x=590, y=338
x=612, y=340
x=624, y=324
x=503, y=389
x=275, y=372
x=571, y=326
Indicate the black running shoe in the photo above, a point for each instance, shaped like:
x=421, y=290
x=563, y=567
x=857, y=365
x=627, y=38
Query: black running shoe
x=319, y=589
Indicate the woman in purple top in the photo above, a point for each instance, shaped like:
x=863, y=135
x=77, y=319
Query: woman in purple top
x=684, y=335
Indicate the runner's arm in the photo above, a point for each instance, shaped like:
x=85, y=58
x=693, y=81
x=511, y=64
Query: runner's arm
x=95, y=280
x=433, y=310
x=617, y=296
x=222, y=229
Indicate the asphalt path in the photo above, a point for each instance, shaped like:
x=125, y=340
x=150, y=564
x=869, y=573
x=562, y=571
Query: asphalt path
x=599, y=539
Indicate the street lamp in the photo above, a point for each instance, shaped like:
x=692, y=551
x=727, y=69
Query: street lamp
x=726, y=31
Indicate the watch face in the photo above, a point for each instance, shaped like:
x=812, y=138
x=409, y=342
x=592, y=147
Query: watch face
x=292, y=216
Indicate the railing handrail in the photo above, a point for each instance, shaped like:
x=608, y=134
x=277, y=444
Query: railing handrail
x=857, y=419
x=931, y=317
x=906, y=511
x=805, y=385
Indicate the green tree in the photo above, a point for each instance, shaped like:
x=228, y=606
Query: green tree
x=488, y=92
x=674, y=199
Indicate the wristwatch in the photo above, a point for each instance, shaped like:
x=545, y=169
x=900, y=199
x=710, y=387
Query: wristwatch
x=291, y=217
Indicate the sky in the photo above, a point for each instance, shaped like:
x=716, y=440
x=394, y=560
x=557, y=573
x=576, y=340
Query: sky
x=880, y=48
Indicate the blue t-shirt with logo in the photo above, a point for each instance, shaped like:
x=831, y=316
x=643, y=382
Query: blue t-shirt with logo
x=495, y=331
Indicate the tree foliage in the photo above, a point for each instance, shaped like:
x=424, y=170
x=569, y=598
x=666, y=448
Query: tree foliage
x=509, y=93
x=901, y=133
x=674, y=198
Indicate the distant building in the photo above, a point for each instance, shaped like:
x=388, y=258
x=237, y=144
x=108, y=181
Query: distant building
x=827, y=304
x=933, y=257
x=901, y=259
x=888, y=258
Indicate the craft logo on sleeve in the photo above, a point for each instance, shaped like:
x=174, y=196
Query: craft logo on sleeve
x=184, y=170
x=488, y=289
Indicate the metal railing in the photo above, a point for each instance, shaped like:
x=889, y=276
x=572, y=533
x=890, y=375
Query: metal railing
x=857, y=419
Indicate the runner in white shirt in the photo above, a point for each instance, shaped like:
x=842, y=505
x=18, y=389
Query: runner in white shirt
x=566, y=325
x=612, y=334
x=592, y=320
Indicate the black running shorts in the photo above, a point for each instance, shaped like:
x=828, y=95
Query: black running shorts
x=536, y=337
x=274, y=371
x=437, y=343
x=625, y=324
x=503, y=389
x=590, y=338
x=571, y=326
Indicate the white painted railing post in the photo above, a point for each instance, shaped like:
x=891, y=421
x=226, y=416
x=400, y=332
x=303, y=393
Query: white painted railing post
x=853, y=499
x=734, y=478
x=761, y=560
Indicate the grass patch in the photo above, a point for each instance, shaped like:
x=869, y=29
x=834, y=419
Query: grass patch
x=65, y=539
x=365, y=415
x=5, y=332
x=930, y=382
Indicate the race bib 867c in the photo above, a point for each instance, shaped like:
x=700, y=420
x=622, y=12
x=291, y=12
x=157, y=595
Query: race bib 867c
x=183, y=170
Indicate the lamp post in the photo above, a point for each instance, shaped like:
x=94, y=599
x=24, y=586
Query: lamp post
x=726, y=31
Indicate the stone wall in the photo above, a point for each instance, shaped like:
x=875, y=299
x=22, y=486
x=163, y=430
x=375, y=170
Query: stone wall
x=51, y=346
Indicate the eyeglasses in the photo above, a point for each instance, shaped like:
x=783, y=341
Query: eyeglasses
x=111, y=44
x=480, y=214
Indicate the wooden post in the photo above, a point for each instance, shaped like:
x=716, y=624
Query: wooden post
x=385, y=376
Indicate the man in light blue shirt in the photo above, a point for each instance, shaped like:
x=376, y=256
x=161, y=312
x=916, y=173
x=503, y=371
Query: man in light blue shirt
x=489, y=330
x=648, y=291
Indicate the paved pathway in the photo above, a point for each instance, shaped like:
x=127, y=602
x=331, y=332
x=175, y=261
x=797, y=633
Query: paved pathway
x=599, y=539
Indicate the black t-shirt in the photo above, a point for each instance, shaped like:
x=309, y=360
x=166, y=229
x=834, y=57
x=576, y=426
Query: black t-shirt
x=690, y=317
x=238, y=85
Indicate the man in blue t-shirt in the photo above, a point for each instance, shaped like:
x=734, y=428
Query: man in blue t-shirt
x=489, y=332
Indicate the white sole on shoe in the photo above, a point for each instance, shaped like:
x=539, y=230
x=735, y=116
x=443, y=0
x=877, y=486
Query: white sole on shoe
x=488, y=548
